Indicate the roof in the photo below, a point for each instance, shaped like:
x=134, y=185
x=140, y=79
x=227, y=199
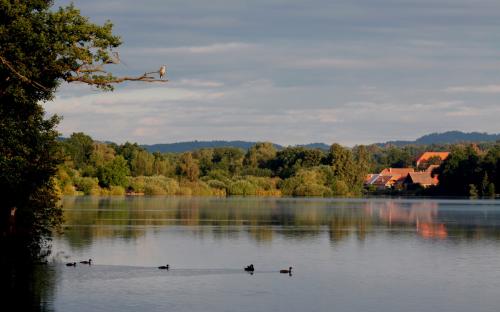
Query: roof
x=401, y=171
x=428, y=155
x=370, y=178
x=384, y=180
x=431, y=168
x=423, y=178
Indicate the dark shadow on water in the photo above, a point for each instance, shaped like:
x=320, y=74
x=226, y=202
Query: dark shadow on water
x=29, y=287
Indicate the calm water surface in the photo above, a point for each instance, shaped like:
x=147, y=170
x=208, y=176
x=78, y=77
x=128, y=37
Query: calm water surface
x=347, y=255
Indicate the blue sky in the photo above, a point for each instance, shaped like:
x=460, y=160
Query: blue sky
x=291, y=72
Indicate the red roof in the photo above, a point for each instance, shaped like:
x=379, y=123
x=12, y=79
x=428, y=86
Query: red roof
x=424, y=178
x=428, y=155
x=385, y=180
x=401, y=171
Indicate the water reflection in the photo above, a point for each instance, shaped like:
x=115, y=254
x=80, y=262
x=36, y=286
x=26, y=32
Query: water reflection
x=89, y=218
x=28, y=287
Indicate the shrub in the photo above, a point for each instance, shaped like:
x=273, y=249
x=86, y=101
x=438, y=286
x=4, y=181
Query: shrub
x=87, y=185
x=242, y=187
x=116, y=190
x=152, y=189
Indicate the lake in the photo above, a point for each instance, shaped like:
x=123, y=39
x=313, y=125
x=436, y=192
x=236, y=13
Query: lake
x=346, y=254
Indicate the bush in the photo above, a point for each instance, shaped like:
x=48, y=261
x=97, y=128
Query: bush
x=87, y=185
x=197, y=188
x=116, y=190
x=340, y=188
x=152, y=189
x=154, y=185
x=216, y=184
x=242, y=187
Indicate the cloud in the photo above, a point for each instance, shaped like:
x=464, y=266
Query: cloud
x=492, y=88
x=226, y=47
x=332, y=63
x=294, y=71
x=198, y=83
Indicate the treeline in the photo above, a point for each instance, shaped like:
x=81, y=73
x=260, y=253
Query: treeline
x=470, y=171
x=96, y=168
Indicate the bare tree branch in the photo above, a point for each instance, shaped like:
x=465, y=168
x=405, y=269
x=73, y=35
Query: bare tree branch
x=98, y=82
x=21, y=76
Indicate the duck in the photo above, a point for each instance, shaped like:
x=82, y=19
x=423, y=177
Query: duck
x=71, y=264
x=89, y=262
x=289, y=271
x=164, y=267
x=249, y=268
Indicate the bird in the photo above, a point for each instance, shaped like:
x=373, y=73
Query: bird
x=71, y=264
x=163, y=71
x=289, y=271
x=89, y=262
x=249, y=268
x=164, y=267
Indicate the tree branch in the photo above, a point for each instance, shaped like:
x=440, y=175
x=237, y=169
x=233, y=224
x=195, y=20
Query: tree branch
x=98, y=82
x=21, y=76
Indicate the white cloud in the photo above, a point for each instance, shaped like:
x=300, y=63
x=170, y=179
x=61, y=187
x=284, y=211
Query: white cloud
x=492, y=88
x=225, y=47
x=198, y=83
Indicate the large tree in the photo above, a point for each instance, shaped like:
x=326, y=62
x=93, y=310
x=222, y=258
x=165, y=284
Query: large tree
x=39, y=48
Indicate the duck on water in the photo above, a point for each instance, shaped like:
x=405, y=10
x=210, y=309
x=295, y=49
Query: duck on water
x=164, y=267
x=249, y=268
x=289, y=271
x=89, y=262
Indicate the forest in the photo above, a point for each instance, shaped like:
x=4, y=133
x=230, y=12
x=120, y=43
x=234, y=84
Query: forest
x=95, y=168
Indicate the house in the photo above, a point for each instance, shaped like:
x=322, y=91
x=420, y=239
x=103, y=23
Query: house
x=401, y=174
x=388, y=178
x=385, y=181
x=422, y=178
x=370, y=178
x=425, y=157
x=401, y=171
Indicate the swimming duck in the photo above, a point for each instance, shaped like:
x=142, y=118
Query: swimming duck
x=71, y=264
x=87, y=262
x=289, y=271
x=164, y=267
x=249, y=268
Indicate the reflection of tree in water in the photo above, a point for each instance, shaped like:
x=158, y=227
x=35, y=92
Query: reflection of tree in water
x=262, y=219
x=28, y=287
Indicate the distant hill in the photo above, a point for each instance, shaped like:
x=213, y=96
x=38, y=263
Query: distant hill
x=449, y=137
x=180, y=147
x=321, y=146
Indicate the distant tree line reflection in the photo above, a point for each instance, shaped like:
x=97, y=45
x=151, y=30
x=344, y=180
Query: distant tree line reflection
x=89, y=218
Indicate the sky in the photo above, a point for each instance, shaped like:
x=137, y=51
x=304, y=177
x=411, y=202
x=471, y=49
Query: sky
x=293, y=72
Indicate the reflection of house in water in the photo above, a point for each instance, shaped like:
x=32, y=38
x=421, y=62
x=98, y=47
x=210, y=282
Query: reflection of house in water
x=420, y=215
x=432, y=230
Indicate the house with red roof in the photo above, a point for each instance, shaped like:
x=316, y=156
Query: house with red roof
x=426, y=156
x=422, y=178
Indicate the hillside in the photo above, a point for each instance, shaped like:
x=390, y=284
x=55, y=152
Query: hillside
x=449, y=137
x=180, y=147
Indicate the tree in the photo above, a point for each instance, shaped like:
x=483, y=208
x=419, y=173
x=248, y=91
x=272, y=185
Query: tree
x=79, y=146
x=259, y=155
x=188, y=167
x=291, y=159
x=459, y=172
x=114, y=172
x=39, y=48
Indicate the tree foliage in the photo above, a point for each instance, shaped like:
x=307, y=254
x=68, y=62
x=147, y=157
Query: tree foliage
x=40, y=47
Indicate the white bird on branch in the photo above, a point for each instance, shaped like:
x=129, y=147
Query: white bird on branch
x=163, y=71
